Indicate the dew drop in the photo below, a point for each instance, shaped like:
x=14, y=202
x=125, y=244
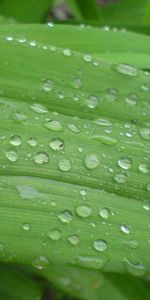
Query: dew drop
x=55, y=234
x=64, y=165
x=104, y=213
x=134, y=268
x=26, y=226
x=77, y=83
x=144, y=168
x=91, y=102
x=124, y=163
x=2, y=247
x=67, y=52
x=145, y=133
x=91, y=262
x=39, y=108
x=111, y=94
x=83, y=211
x=105, y=139
x=73, y=240
x=145, y=87
x=131, y=244
x=32, y=141
x=102, y=122
x=40, y=262
x=100, y=245
x=48, y=85
x=125, y=228
x=57, y=144
x=132, y=99
x=73, y=128
x=126, y=70
x=146, y=205
x=87, y=58
x=15, y=140
x=120, y=178
x=65, y=216
x=41, y=158
x=53, y=125
x=12, y=155
x=91, y=161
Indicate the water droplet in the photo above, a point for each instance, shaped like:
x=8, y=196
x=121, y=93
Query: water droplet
x=33, y=43
x=91, y=262
x=61, y=95
x=57, y=144
x=40, y=262
x=126, y=70
x=105, y=139
x=125, y=228
x=73, y=128
x=32, y=141
x=83, y=193
x=131, y=244
x=48, y=85
x=55, y=234
x=111, y=94
x=104, y=213
x=67, y=52
x=146, y=205
x=144, y=168
x=100, y=245
x=26, y=226
x=15, y=140
x=77, y=83
x=2, y=247
x=39, y=108
x=124, y=163
x=132, y=99
x=134, y=268
x=102, y=122
x=145, y=133
x=145, y=87
x=54, y=125
x=65, y=216
x=91, y=161
x=50, y=24
x=9, y=38
x=41, y=158
x=83, y=211
x=27, y=192
x=12, y=155
x=87, y=58
x=73, y=240
x=92, y=102
x=148, y=187
x=64, y=165
x=120, y=178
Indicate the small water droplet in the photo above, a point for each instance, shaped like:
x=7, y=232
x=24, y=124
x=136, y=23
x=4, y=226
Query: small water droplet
x=120, y=178
x=48, y=85
x=132, y=99
x=53, y=125
x=50, y=24
x=111, y=94
x=145, y=87
x=9, y=38
x=33, y=43
x=32, y=141
x=73, y=128
x=12, y=155
x=146, y=205
x=91, y=262
x=77, y=83
x=100, y=245
x=144, y=168
x=55, y=234
x=83, y=211
x=92, y=102
x=40, y=262
x=15, y=140
x=2, y=247
x=91, y=161
x=64, y=165
x=104, y=213
x=124, y=163
x=87, y=58
x=134, y=268
x=105, y=139
x=57, y=144
x=65, y=216
x=26, y=226
x=67, y=52
x=83, y=193
x=131, y=244
x=125, y=228
x=102, y=122
x=73, y=240
x=126, y=70
x=41, y=158
x=145, y=133
x=39, y=108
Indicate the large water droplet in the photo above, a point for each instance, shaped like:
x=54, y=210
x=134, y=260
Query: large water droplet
x=12, y=155
x=83, y=211
x=39, y=108
x=73, y=240
x=57, y=144
x=100, y=245
x=91, y=161
x=125, y=228
x=55, y=234
x=104, y=212
x=126, y=70
x=65, y=216
x=41, y=158
x=64, y=165
x=54, y=125
x=15, y=140
x=124, y=163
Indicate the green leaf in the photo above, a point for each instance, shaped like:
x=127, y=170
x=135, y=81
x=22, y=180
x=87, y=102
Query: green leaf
x=29, y=11
x=88, y=9
x=74, y=157
x=15, y=285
